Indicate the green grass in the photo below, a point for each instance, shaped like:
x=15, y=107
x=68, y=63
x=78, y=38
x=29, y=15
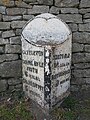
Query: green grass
x=17, y=111
x=70, y=109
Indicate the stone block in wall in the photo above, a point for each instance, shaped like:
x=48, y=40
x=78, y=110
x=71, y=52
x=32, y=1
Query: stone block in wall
x=85, y=3
x=18, y=86
x=87, y=48
x=10, y=69
x=0, y=17
x=87, y=15
x=30, y=1
x=3, y=41
x=10, y=18
x=87, y=80
x=14, y=81
x=12, y=48
x=78, y=57
x=28, y=17
x=78, y=81
x=55, y=10
x=81, y=73
x=77, y=47
x=82, y=65
x=7, y=34
x=22, y=4
x=8, y=57
x=84, y=27
x=71, y=18
x=74, y=88
x=3, y=85
x=38, y=9
x=69, y=10
x=87, y=57
x=7, y=3
x=2, y=50
x=45, y=2
x=73, y=27
x=2, y=10
x=4, y=25
x=17, y=24
x=15, y=40
x=81, y=37
x=18, y=31
x=86, y=20
x=0, y=33
x=66, y=3
x=84, y=10
x=16, y=11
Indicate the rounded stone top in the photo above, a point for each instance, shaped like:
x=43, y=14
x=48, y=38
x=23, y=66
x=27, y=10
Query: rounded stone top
x=46, y=29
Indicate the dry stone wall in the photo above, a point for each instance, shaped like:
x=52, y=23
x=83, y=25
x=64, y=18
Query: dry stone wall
x=13, y=16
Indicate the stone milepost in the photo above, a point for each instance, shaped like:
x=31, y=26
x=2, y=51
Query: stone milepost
x=46, y=60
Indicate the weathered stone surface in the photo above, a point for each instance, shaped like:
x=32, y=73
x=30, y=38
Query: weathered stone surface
x=84, y=27
x=85, y=3
x=15, y=40
x=17, y=24
x=87, y=57
x=82, y=65
x=38, y=9
x=28, y=17
x=69, y=10
x=0, y=17
x=3, y=85
x=83, y=11
x=86, y=20
x=2, y=9
x=55, y=10
x=73, y=27
x=66, y=3
x=18, y=31
x=16, y=11
x=87, y=80
x=10, y=69
x=8, y=57
x=74, y=88
x=29, y=1
x=22, y=4
x=3, y=41
x=0, y=33
x=81, y=37
x=7, y=3
x=4, y=25
x=78, y=81
x=10, y=18
x=18, y=86
x=78, y=57
x=77, y=47
x=14, y=81
x=71, y=18
x=87, y=48
x=87, y=15
x=12, y=48
x=2, y=49
x=81, y=73
x=45, y=2
x=7, y=34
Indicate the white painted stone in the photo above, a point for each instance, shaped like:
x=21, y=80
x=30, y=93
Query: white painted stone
x=46, y=60
x=47, y=28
